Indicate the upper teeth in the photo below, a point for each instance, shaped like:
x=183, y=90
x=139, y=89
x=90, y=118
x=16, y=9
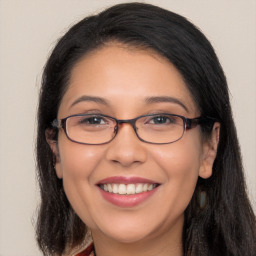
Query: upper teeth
x=127, y=189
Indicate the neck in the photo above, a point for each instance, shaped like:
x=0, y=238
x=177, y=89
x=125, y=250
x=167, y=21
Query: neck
x=166, y=244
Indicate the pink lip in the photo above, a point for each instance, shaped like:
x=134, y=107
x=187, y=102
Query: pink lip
x=126, y=200
x=126, y=180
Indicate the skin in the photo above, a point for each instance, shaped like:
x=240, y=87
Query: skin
x=125, y=77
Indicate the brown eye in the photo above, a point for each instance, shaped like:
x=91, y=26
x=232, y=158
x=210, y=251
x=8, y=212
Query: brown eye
x=162, y=120
x=93, y=120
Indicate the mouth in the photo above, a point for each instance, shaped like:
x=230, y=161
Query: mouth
x=127, y=189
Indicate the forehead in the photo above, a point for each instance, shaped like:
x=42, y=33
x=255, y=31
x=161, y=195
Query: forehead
x=116, y=72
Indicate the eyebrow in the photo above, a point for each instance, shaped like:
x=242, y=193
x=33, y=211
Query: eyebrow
x=160, y=99
x=91, y=99
x=149, y=100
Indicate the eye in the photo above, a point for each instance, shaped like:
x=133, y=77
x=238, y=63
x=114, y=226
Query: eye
x=93, y=120
x=162, y=119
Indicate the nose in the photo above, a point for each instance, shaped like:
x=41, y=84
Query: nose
x=126, y=149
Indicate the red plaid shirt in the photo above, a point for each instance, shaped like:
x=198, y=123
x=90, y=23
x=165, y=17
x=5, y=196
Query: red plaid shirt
x=89, y=251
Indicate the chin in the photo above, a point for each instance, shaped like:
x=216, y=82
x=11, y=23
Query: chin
x=128, y=238
x=126, y=235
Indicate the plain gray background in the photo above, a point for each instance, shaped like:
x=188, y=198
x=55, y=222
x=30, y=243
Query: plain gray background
x=29, y=30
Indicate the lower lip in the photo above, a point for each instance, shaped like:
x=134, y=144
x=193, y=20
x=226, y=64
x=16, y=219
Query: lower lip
x=127, y=200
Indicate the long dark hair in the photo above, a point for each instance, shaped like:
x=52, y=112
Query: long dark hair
x=226, y=226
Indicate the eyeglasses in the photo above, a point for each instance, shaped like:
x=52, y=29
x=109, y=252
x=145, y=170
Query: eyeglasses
x=95, y=129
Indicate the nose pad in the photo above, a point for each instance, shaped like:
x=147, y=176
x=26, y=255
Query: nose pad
x=126, y=149
x=116, y=129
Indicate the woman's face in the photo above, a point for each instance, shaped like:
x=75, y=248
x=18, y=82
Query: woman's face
x=127, y=81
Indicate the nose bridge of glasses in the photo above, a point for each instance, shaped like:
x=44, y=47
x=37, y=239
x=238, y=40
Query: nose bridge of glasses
x=126, y=121
x=131, y=122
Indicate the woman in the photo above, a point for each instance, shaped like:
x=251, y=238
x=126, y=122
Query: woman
x=136, y=144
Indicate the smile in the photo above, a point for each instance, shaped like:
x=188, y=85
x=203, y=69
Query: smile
x=127, y=189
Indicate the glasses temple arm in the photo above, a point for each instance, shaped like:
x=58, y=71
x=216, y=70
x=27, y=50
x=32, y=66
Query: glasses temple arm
x=56, y=123
x=191, y=123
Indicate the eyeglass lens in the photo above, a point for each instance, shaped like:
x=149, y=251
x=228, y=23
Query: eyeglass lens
x=98, y=129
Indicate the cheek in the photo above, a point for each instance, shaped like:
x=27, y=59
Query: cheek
x=180, y=163
x=182, y=157
x=77, y=159
x=77, y=164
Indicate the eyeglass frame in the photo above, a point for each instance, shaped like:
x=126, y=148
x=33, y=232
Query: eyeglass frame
x=188, y=123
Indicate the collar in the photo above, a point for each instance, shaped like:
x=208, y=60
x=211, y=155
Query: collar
x=89, y=251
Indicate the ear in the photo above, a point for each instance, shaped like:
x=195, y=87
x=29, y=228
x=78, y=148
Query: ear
x=209, y=152
x=49, y=135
